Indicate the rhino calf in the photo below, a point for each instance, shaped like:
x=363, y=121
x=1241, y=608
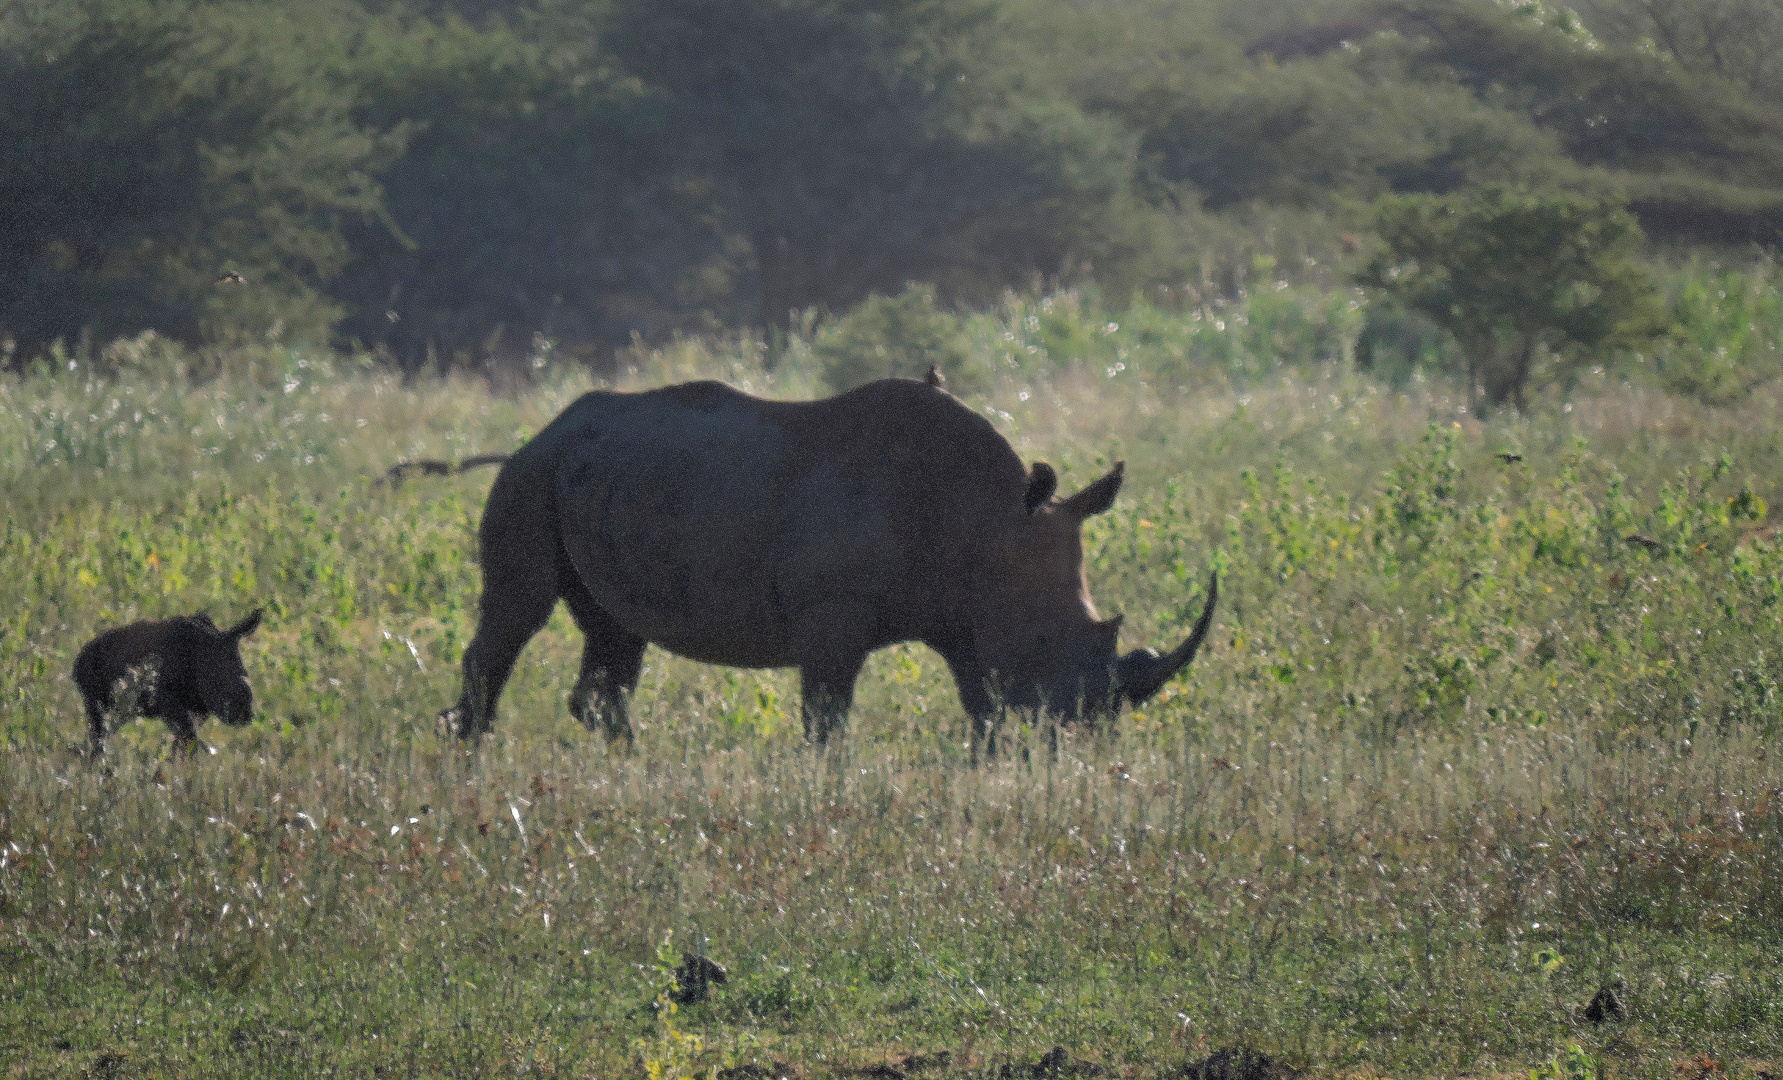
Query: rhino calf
x=805, y=534
x=174, y=669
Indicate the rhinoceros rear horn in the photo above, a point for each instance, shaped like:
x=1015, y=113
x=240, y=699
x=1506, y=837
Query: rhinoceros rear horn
x=1142, y=673
x=1099, y=496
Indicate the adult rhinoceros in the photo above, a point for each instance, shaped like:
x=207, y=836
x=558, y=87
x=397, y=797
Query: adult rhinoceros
x=806, y=534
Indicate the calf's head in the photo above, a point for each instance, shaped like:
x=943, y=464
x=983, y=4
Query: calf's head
x=216, y=669
x=1039, y=634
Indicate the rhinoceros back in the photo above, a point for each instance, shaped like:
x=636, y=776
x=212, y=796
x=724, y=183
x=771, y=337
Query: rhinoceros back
x=660, y=502
x=730, y=529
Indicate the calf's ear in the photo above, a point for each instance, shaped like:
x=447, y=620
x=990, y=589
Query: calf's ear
x=246, y=626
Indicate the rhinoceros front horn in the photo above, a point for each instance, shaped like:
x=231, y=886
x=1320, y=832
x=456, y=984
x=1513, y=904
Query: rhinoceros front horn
x=1141, y=673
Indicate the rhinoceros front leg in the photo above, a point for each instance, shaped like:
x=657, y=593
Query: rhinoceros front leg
x=977, y=695
x=97, y=708
x=826, y=693
x=612, y=659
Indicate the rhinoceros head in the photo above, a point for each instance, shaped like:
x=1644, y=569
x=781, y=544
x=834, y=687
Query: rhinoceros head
x=1039, y=635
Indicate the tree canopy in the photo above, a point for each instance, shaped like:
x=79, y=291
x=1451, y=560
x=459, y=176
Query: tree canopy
x=1512, y=273
x=449, y=179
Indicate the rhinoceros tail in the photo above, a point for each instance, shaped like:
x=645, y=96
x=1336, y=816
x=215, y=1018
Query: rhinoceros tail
x=477, y=461
x=402, y=470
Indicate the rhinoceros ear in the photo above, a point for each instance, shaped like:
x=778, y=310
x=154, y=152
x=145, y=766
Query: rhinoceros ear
x=246, y=626
x=1099, y=496
x=1042, y=482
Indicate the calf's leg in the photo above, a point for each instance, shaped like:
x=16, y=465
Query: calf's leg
x=96, y=710
x=185, y=731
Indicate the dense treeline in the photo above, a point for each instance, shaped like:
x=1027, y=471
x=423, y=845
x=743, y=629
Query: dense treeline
x=463, y=179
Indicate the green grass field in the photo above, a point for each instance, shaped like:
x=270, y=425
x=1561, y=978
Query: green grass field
x=1456, y=756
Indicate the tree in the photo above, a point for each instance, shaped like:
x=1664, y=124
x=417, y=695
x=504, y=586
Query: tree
x=150, y=147
x=1737, y=40
x=536, y=195
x=854, y=145
x=897, y=336
x=1512, y=273
x=1435, y=95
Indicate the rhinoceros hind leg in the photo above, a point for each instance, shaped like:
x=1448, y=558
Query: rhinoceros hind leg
x=612, y=659
x=515, y=607
x=96, y=707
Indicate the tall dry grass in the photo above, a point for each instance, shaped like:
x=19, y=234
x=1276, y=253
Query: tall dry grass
x=1456, y=757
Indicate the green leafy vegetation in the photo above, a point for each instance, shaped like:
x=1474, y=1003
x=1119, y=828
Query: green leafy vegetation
x=1515, y=278
x=1725, y=328
x=149, y=148
x=1460, y=752
x=894, y=336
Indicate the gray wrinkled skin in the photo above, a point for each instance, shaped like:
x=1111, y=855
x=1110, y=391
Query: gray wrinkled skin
x=755, y=533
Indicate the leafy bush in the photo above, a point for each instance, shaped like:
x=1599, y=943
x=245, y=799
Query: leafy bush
x=1726, y=332
x=150, y=356
x=146, y=148
x=1397, y=341
x=1572, y=1063
x=1214, y=341
x=900, y=335
x=440, y=182
x=1515, y=275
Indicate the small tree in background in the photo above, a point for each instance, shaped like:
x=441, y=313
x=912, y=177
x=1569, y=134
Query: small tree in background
x=1513, y=273
x=149, y=147
x=902, y=335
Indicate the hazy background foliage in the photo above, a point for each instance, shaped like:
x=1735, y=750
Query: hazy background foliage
x=443, y=182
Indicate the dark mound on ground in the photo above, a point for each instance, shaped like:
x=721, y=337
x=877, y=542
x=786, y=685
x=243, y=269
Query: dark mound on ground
x=1054, y=1063
x=695, y=978
x=1238, y=1063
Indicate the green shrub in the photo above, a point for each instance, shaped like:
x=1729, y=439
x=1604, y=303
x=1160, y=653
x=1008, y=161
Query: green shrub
x=1217, y=341
x=1529, y=282
x=1397, y=341
x=1727, y=333
x=900, y=335
x=149, y=148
